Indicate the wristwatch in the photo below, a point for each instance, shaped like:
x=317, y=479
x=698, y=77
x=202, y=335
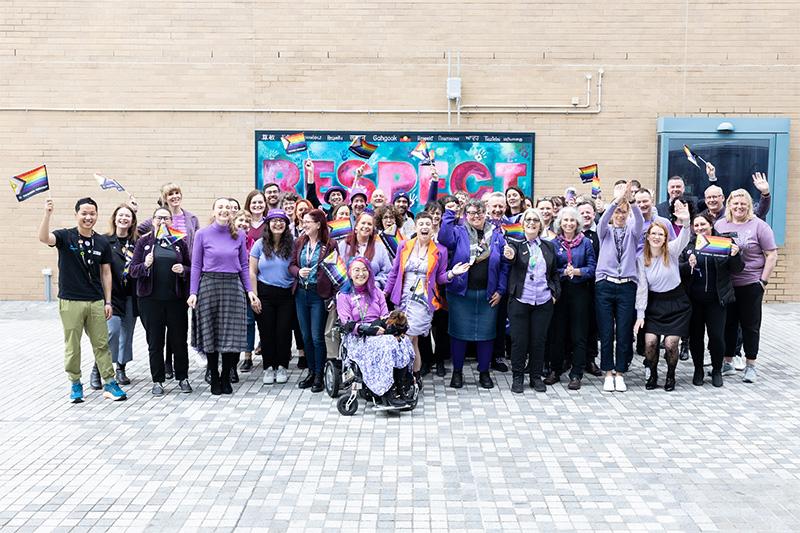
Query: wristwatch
x=764, y=282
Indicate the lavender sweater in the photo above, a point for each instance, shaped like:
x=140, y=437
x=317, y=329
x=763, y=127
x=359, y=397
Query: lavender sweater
x=607, y=264
x=215, y=251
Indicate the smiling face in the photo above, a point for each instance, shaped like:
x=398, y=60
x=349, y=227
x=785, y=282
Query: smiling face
x=532, y=226
x=378, y=198
x=620, y=216
x=513, y=199
x=288, y=207
x=162, y=216
x=277, y=226
x=569, y=225
x=701, y=226
x=86, y=216
x=545, y=207
x=222, y=210
x=335, y=198
x=587, y=215
x=358, y=204
x=656, y=237
x=401, y=204
x=496, y=207
x=740, y=208
x=388, y=222
x=436, y=214
x=174, y=198
x=123, y=218
x=310, y=226
x=257, y=205
x=714, y=199
x=675, y=187
x=242, y=222
x=301, y=209
x=475, y=217
x=645, y=203
x=424, y=229
x=342, y=213
x=365, y=226
x=359, y=273
x=271, y=194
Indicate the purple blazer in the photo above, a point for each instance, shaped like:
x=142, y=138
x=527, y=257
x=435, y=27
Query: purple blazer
x=144, y=275
x=437, y=272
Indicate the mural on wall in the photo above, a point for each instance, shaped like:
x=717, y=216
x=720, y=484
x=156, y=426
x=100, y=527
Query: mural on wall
x=472, y=162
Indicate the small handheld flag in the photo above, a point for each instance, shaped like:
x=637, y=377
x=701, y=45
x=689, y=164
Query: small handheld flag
x=391, y=243
x=170, y=234
x=294, y=143
x=691, y=156
x=30, y=183
x=362, y=148
x=107, y=183
x=333, y=266
x=340, y=228
x=424, y=153
x=596, y=187
x=713, y=245
x=514, y=231
x=588, y=173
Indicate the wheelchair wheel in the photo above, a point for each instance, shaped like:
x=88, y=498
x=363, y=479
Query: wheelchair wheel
x=333, y=377
x=344, y=408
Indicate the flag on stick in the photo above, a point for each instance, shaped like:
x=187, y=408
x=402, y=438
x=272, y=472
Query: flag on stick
x=107, y=183
x=294, y=143
x=362, y=148
x=588, y=173
x=30, y=183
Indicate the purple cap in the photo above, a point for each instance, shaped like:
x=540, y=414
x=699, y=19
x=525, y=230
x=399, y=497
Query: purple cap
x=358, y=191
x=277, y=213
x=335, y=188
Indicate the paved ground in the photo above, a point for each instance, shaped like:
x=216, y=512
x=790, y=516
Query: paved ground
x=276, y=458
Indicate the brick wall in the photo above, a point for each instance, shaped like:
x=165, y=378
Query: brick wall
x=660, y=59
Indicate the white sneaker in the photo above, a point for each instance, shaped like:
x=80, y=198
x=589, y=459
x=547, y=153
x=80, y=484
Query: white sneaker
x=608, y=384
x=200, y=359
x=619, y=383
x=269, y=376
x=281, y=376
x=738, y=363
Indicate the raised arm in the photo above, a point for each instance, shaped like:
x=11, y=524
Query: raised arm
x=311, y=188
x=45, y=235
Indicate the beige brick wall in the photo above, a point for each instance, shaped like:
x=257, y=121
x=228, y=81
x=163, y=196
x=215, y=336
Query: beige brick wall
x=664, y=58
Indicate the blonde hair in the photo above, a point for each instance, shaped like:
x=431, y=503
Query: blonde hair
x=166, y=190
x=536, y=213
x=648, y=255
x=739, y=193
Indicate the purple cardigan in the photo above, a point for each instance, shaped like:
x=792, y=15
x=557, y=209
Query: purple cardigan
x=348, y=307
x=607, y=264
x=456, y=239
x=144, y=275
x=394, y=285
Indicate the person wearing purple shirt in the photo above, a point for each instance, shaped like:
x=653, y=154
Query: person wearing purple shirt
x=644, y=201
x=219, y=279
x=760, y=255
x=533, y=288
x=615, y=288
x=576, y=263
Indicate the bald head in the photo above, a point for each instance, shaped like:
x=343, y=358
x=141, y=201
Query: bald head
x=715, y=199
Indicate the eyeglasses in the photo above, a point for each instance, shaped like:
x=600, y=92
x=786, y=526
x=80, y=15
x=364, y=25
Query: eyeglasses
x=531, y=220
x=474, y=213
x=162, y=218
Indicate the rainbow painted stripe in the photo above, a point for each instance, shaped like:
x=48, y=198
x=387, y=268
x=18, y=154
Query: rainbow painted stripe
x=340, y=228
x=362, y=148
x=334, y=268
x=588, y=173
x=514, y=231
x=30, y=183
x=294, y=143
x=713, y=245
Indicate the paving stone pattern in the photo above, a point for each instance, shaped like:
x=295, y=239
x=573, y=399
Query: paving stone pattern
x=275, y=458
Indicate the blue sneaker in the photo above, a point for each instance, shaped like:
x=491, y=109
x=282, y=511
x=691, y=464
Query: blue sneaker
x=76, y=395
x=111, y=390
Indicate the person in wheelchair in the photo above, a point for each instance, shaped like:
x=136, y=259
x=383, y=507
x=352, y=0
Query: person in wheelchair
x=376, y=351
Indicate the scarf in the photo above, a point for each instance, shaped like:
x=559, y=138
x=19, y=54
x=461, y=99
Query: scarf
x=479, y=248
x=568, y=245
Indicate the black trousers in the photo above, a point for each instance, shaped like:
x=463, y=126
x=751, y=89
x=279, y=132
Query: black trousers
x=275, y=325
x=501, y=338
x=570, y=327
x=170, y=316
x=707, y=315
x=745, y=312
x=529, y=325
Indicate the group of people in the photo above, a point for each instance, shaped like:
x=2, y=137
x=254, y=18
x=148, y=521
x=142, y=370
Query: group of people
x=580, y=275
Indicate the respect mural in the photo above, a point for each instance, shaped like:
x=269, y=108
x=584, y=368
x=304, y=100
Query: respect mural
x=473, y=162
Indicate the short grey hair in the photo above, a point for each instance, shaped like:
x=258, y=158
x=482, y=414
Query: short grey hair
x=476, y=203
x=568, y=212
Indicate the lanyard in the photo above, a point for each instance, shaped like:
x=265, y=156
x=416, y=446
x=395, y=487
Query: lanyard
x=86, y=247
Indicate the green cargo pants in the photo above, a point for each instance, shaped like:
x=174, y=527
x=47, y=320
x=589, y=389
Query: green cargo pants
x=77, y=317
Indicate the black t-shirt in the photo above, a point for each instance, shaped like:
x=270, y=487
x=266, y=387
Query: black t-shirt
x=121, y=284
x=163, y=276
x=79, y=260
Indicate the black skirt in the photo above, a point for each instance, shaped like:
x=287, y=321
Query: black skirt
x=668, y=313
x=219, y=322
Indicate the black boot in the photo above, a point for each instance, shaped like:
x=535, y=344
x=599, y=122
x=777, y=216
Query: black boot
x=302, y=362
x=234, y=376
x=518, y=383
x=652, y=381
x=440, y=370
x=485, y=380
x=669, y=383
x=591, y=368
x=122, y=378
x=457, y=381
x=697, y=379
x=307, y=382
x=389, y=399
x=228, y=370
x=684, y=355
x=318, y=385
x=94, y=380
x=213, y=379
x=716, y=378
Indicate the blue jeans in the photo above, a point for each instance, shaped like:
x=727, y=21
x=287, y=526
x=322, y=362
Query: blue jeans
x=311, y=314
x=120, y=335
x=615, y=306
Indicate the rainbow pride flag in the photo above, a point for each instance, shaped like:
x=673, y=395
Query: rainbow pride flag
x=30, y=183
x=340, y=228
x=294, y=143
x=588, y=173
x=713, y=245
x=334, y=268
x=514, y=231
x=107, y=183
x=362, y=148
x=391, y=242
x=424, y=153
x=170, y=234
x=596, y=187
